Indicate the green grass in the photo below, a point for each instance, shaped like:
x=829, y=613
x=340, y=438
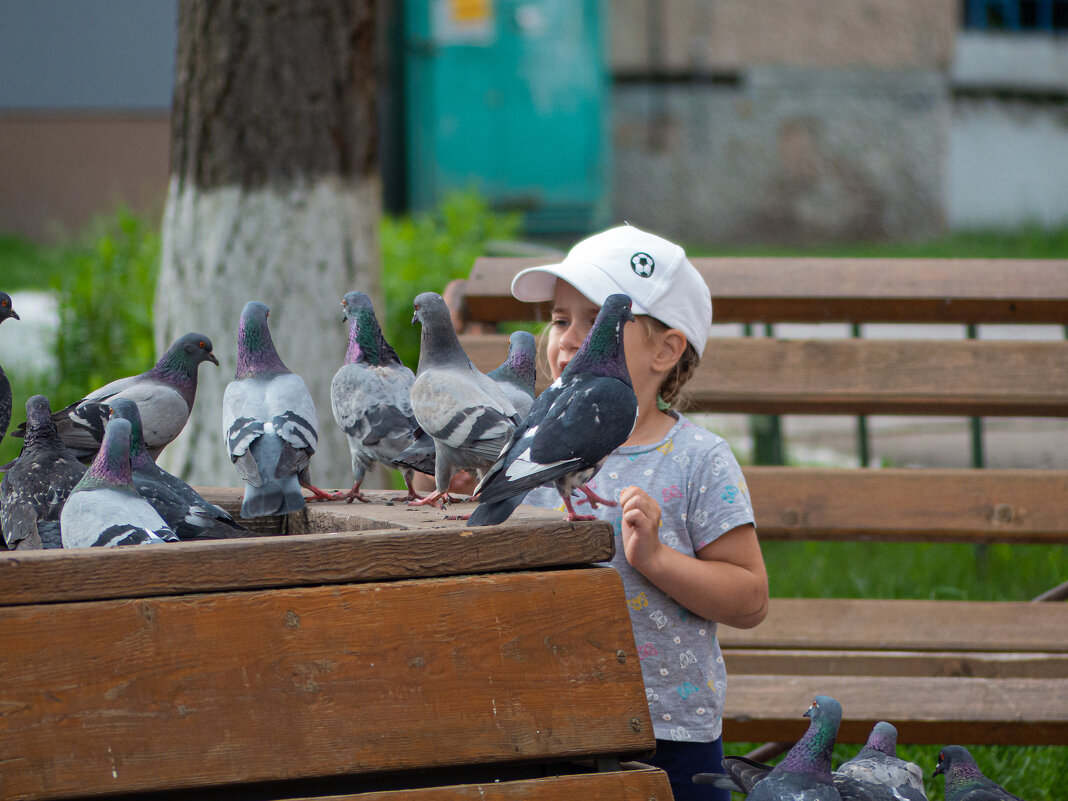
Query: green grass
x=425, y=251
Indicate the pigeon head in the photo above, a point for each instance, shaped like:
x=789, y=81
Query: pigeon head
x=883, y=738
x=366, y=342
x=178, y=364
x=126, y=409
x=520, y=367
x=111, y=465
x=438, y=343
x=6, y=309
x=255, y=349
x=958, y=766
x=601, y=352
x=39, y=423
x=812, y=753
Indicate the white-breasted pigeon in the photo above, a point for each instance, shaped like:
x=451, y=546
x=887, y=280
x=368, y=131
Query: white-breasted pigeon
x=104, y=508
x=269, y=423
x=572, y=427
x=182, y=508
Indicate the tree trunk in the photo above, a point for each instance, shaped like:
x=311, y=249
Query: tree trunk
x=274, y=196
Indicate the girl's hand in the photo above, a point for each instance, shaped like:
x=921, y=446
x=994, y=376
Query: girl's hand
x=641, y=527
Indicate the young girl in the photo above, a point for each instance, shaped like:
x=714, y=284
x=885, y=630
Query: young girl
x=687, y=548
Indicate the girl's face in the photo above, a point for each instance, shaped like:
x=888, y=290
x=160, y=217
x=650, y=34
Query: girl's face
x=572, y=317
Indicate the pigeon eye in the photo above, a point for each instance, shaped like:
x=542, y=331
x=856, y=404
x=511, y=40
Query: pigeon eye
x=201, y=344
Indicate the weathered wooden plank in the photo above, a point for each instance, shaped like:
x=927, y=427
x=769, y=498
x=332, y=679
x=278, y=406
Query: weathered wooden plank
x=826, y=662
x=859, y=290
x=865, y=376
x=911, y=504
x=32, y=577
x=906, y=625
x=124, y=696
x=924, y=710
x=641, y=783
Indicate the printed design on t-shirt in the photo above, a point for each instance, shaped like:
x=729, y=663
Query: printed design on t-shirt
x=729, y=493
x=658, y=617
x=680, y=734
x=671, y=492
x=719, y=464
x=700, y=517
x=686, y=689
x=687, y=658
x=667, y=447
x=648, y=649
x=639, y=601
x=650, y=695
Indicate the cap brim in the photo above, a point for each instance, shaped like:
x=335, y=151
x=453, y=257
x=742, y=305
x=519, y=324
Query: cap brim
x=537, y=284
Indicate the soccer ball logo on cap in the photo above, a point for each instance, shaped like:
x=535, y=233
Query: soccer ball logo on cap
x=642, y=264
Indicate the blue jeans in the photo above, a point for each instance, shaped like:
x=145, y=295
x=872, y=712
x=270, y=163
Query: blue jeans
x=682, y=760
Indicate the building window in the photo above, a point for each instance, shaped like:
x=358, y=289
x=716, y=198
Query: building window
x=1025, y=16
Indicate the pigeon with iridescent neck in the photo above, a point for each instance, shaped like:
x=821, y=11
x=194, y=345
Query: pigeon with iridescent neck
x=516, y=374
x=6, y=311
x=37, y=483
x=371, y=398
x=164, y=395
x=572, y=427
x=877, y=763
x=965, y=781
x=105, y=508
x=182, y=508
x=465, y=411
x=269, y=423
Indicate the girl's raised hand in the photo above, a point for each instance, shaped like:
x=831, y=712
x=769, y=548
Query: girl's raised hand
x=641, y=527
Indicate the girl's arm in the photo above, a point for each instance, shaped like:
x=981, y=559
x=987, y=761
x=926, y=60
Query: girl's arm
x=726, y=583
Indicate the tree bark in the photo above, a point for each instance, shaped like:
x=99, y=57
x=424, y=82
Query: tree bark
x=274, y=196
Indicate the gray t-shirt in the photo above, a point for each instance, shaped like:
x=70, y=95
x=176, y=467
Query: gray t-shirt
x=696, y=479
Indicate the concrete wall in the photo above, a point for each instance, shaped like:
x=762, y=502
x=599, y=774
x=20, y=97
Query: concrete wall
x=783, y=120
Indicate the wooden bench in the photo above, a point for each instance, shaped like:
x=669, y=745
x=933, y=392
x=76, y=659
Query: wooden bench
x=942, y=671
x=404, y=658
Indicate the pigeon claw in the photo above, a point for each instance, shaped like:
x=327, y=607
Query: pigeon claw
x=317, y=494
x=433, y=498
x=594, y=499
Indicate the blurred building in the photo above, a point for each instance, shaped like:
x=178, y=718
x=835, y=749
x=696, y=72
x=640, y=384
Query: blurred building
x=729, y=121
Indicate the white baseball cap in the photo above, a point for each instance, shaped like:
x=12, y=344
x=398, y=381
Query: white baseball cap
x=660, y=280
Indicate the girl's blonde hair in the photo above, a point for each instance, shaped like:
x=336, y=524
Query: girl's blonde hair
x=669, y=394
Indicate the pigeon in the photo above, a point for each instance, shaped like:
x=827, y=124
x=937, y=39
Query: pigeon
x=804, y=774
x=164, y=395
x=182, y=508
x=104, y=508
x=964, y=780
x=38, y=482
x=743, y=772
x=269, y=423
x=517, y=372
x=466, y=413
x=572, y=427
x=6, y=310
x=877, y=763
x=371, y=398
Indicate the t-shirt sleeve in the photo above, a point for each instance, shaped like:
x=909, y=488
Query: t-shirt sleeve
x=719, y=496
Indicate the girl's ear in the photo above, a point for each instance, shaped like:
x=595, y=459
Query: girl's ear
x=669, y=350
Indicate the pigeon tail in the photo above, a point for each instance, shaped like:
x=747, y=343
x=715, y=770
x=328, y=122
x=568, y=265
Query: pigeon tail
x=275, y=496
x=490, y=514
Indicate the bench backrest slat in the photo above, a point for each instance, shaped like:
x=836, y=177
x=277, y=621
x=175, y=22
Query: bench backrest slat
x=864, y=376
x=195, y=690
x=858, y=290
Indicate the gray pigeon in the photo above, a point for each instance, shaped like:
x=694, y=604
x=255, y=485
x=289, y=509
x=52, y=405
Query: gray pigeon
x=104, y=508
x=466, y=412
x=6, y=310
x=573, y=426
x=517, y=373
x=182, y=508
x=37, y=484
x=964, y=780
x=269, y=423
x=371, y=398
x=164, y=395
x=877, y=763
x=804, y=774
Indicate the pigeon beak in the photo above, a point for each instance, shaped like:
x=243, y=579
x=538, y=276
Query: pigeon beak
x=14, y=315
x=212, y=359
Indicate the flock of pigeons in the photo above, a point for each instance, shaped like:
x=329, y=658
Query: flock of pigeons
x=876, y=773
x=87, y=475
